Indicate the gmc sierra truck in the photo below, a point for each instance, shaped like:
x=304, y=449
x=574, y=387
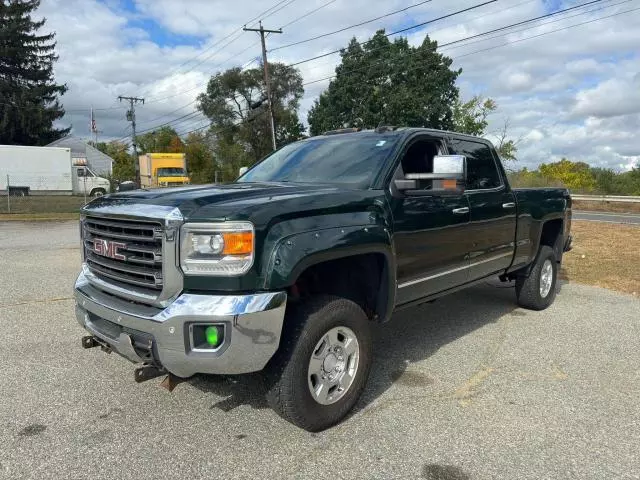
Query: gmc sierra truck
x=285, y=269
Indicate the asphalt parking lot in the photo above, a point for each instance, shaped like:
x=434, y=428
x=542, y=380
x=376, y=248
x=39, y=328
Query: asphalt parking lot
x=469, y=387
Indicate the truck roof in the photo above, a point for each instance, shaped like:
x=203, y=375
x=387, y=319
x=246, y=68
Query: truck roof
x=400, y=131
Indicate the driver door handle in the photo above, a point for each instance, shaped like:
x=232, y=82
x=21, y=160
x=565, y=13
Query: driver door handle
x=508, y=205
x=460, y=211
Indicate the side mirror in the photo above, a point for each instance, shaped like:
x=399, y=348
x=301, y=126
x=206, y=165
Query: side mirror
x=242, y=171
x=448, y=177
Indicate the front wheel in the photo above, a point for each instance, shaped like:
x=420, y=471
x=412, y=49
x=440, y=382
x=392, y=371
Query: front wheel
x=538, y=290
x=98, y=192
x=323, y=363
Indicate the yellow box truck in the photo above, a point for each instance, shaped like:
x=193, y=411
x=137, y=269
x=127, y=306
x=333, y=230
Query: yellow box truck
x=163, y=170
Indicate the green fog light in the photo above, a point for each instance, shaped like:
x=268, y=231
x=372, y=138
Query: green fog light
x=212, y=335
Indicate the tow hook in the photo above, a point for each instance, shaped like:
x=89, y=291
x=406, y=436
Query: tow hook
x=147, y=372
x=90, y=341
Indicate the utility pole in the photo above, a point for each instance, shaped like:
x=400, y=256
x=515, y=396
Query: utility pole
x=131, y=117
x=262, y=31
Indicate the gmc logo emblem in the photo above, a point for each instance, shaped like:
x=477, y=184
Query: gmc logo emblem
x=107, y=248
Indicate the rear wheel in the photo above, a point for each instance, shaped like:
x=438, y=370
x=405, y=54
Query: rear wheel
x=323, y=363
x=538, y=290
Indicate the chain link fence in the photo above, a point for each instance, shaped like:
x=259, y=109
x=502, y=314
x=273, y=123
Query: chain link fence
x=43, y=194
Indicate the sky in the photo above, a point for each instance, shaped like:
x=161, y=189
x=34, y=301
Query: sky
x=567, y=85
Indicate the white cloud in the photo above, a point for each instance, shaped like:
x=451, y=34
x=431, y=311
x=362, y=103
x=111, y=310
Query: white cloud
x=574, y=92
x=611, y=98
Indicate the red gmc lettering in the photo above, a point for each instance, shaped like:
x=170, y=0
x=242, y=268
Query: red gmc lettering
x=109, y=249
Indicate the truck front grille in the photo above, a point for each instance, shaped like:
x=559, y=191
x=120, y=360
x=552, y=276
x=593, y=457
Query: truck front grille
x=125, y=252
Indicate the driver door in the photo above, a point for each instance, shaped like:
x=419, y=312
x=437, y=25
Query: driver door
x=430, y=230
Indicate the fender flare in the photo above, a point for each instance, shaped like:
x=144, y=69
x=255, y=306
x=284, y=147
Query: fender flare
x=295, y=253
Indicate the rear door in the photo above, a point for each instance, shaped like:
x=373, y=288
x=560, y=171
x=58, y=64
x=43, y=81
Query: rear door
x=492, y=208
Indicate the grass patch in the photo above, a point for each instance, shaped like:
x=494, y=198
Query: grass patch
x=617, y=207
x=42, y=204
x=605, y=255
x=29, y=217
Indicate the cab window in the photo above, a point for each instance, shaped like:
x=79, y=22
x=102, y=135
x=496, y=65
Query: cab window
x=482, y=172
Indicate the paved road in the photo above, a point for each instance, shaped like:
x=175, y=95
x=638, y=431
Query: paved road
x=469, y=387
x=628, y=218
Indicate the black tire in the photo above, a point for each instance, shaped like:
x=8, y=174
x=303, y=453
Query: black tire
x=306, y=324
x=528, y=287
x=98, y=192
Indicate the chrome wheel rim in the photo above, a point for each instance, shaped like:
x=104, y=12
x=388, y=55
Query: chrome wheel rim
x=333, y=365
x=546, y=278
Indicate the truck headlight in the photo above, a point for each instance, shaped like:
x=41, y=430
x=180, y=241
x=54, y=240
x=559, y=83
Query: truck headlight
x=224, y=249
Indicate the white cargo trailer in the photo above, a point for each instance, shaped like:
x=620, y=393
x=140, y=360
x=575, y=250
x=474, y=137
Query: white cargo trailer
x=46, y=171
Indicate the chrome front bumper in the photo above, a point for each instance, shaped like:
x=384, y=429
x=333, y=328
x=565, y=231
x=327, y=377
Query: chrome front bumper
x=146, y=334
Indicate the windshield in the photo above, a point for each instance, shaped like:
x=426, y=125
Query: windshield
x=170, y=172
x=353, y=159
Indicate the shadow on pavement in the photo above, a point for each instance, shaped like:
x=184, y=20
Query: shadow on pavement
x=411, y=336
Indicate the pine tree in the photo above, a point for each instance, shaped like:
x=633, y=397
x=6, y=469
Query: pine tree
x=28, y=92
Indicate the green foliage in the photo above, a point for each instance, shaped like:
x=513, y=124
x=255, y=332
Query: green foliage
x=163, y=140
x=471, y=117
x=123, y=165
x=576, y=176
x=579, y=178
x=385, y=83
x=242, y=133
x=200, y=161
x=531, y=179
x=28, y=92
x=507, y=150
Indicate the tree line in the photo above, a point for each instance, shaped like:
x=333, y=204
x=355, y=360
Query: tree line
x=377, y=82
x=579, y=177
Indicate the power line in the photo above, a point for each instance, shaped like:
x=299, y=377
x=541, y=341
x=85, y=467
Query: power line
x=363, y=43
x=519, y=40
x=172, y=122
x=477, y=17
x=265, y=65
x=171, y=112
x=397, y=31
x=395, y=12
x=131, y=116
x=557, y=12
x=234, y=32
x=297, y=19
x=444, y=45
x=157, y=100
x=276, y=11
x=547, y=33
x=368, y=21
x=489, y=48
x=450, y=44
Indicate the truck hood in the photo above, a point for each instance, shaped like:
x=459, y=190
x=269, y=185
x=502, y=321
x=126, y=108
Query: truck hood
x=260, y=203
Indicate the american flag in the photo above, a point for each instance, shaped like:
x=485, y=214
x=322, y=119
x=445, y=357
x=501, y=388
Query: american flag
x=94, y=127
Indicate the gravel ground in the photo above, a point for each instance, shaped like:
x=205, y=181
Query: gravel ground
x=469, y=387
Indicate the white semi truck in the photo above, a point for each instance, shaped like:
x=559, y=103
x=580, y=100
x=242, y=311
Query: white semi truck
x=46, y=171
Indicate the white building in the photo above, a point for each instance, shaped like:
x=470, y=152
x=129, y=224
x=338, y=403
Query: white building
x=97, y=161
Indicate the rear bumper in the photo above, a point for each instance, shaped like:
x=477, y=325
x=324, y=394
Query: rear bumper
x=145, y=334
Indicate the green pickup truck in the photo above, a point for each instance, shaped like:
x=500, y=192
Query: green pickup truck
x=285, y=269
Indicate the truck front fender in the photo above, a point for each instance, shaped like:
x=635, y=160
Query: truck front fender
x=295, y=253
